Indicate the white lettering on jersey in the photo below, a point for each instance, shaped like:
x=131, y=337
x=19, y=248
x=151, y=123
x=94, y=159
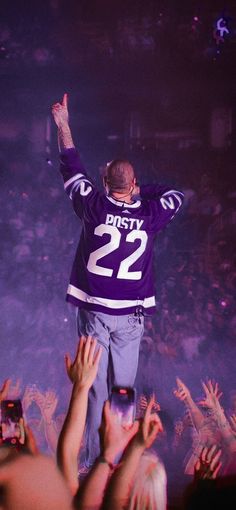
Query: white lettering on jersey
x=127, y=223
x=104, y=250
x=124, y=271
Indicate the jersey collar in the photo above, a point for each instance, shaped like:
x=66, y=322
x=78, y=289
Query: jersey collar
x=124, y=204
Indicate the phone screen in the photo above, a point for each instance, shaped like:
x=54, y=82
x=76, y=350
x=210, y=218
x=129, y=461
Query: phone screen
x=11, y=412
x=123, y=404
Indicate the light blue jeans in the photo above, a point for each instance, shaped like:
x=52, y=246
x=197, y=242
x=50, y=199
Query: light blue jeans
x=120, y=338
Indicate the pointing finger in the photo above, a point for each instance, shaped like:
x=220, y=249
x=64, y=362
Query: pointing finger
x=65, y=100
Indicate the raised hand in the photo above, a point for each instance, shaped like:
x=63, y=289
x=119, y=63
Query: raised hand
x=149, y=427
x=115, y=436
x=212, y=395
x=208, y=464
x=181, y=392
x=5, y=389
x=47, y=404
x=60, y=112
x=83, y=370
x=143, y=403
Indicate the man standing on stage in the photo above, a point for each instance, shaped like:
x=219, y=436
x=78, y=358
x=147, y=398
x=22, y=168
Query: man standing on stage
x=112, y=283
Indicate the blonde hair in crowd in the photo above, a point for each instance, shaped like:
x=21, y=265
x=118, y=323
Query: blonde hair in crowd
x=149, y=491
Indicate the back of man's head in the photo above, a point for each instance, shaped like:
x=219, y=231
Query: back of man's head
x=119, y=175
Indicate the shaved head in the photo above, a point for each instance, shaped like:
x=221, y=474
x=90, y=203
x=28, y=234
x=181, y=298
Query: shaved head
x=119, y=175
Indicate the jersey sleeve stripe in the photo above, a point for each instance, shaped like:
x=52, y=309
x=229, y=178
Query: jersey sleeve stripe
x=72, y=179
x=114, y=304
x=178, y=198
x=75, y=186
x=177, y=194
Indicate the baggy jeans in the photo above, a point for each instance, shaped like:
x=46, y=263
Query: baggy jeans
x=120, y=338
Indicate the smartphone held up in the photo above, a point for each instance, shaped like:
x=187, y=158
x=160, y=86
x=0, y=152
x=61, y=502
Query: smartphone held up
x=123, y=404
x=11, y=422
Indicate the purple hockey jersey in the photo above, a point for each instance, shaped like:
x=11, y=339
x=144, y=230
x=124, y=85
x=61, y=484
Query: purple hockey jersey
x=112, y=270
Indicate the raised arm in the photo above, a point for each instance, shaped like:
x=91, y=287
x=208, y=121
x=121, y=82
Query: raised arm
x=182, y=393
x=5, y=389
x=122, y=480
x=212, y=401
x=77, y=184
x=61, y=117
x=114, y=439
x=47, y=404
x=208, y=463
x=82, y=372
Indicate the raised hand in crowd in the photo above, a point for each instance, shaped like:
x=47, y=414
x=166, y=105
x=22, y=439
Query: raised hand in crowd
x=28, y=397
x=212, y=401
x=114, y=439
x=82, y=373
x=182, y=392
x=13, y=390
x=208, y=464
x=205, y=427
x=149, y=427
x=83, y=370
x=124, y=487
x=47, y=403
x=143, y=403
x=205, y=490
x=212, y=395
x=114, y=435
x=5, y=389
